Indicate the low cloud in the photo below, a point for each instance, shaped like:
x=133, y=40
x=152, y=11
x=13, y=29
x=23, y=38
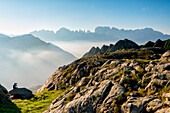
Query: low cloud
x=28, y=68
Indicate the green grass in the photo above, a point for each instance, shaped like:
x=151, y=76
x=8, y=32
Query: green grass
x=39, y=103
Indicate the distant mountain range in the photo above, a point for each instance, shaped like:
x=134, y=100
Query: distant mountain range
x=101, y=34
x=28, y=60
x=126, y=44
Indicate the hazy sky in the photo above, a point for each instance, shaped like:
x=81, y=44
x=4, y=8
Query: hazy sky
x=24, y=16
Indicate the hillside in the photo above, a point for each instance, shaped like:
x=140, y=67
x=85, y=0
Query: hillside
x=133, y=80
x=101, y=34
x=28, y=60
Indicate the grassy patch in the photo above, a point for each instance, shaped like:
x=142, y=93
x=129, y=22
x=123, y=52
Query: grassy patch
x=39, y=103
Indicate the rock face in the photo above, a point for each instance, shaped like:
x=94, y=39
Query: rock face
x=21, y=93
x=130, y=81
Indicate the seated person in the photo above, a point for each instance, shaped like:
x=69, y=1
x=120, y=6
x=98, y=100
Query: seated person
x=15, y=86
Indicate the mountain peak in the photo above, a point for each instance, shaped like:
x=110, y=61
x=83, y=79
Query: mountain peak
x=63, y=30
x=26, y=36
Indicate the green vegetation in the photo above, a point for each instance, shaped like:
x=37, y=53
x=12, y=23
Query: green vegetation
x=167, y=45
x=39, y=103
x=8, y=107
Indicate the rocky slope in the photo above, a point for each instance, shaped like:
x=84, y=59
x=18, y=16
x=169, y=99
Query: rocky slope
x=127, y=81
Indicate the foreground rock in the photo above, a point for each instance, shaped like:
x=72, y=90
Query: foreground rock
x=21, y=93
x=92, y=99
x=6, y=105
x=3, y=94
x=163, y=110
x=125, y=81
x=136, y=104
x=154, y=105
x=166, y=56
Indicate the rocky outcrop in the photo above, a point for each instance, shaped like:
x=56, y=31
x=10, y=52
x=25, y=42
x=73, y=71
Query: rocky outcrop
x=122, y=81
x=163, y=110
x=6, y=105
x=21, y=93
x=167, y=96
x=136, y=104
x=165, y=56
x=91, y=99
x=154, y=105
x=3, y=94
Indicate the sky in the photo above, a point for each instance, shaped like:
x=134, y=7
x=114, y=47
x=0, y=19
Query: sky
x=23, y=16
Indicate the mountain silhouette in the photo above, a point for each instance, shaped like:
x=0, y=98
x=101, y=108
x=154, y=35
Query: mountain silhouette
x=101, y=34
x=121, y=44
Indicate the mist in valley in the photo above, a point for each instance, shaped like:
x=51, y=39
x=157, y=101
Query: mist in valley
x=79, y=48
x=29, y=61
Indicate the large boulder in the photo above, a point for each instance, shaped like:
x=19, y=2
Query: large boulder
x=83, y=81
x=3, y=94
x=167, y=96
x=163, y=110
x=3, y=89
x=90, y=100
x=136, y=104
x=154, y=105
x=21, y=93
x=166, y=56
x=115, y=92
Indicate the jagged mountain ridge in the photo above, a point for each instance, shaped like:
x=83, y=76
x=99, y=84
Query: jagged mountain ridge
x=121, y=44
x=109, y=82
x=101, y=34
x=126, y=44
x=27, y=57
